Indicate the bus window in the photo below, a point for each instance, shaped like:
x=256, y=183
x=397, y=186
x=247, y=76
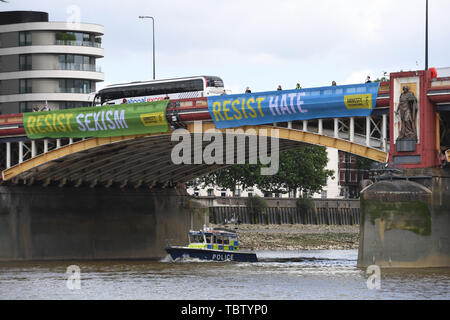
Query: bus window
x=181, y=88
x=208, y=239
x=186, y=103
x=200, y=103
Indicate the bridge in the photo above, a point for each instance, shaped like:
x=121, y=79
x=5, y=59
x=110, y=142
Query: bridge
x=141, y=162
x=144, y=160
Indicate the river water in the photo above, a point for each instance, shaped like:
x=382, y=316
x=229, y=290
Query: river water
x=279, y=275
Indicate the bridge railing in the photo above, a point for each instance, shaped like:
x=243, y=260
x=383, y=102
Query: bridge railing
x=20, y=149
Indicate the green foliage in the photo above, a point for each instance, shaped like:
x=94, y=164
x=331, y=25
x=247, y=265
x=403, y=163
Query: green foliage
x=98, y=40
x=232, y=177
x=255, y=206
x=384, y=78
x=304, y=204
x=300, y=169
x=362, y=163
x=64, y=36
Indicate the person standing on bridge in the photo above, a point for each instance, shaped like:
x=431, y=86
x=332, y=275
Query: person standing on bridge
x=368, y=79
x=279, y=88
x=247, y=90
x=334, y=84
x=298, y=86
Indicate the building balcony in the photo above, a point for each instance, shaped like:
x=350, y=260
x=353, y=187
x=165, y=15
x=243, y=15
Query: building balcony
x=60, y=71
x=78, y=67
x=78, y=43
x=75, y=90
x=83, y=97
x=97, y=52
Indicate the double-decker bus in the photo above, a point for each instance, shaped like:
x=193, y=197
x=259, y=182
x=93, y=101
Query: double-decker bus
x=173, y=89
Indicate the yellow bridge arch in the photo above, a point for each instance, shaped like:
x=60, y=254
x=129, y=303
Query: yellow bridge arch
x=144, y=160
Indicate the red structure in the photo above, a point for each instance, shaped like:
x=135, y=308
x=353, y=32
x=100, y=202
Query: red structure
x=430, y=93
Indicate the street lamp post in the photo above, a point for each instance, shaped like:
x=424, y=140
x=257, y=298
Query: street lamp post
x=153, y=23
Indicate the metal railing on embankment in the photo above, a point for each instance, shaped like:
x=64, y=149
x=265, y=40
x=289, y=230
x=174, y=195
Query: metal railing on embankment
x=286, y=215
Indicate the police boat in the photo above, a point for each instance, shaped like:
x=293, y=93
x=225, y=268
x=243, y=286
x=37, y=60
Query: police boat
x=212, y=244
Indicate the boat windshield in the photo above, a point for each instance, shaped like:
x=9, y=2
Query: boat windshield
x=221, y=238
x=196, y=238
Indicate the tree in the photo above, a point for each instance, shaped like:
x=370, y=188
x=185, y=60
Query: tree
x=384, y=78
x=231, y=177
x=255, y=206
x=300, y=169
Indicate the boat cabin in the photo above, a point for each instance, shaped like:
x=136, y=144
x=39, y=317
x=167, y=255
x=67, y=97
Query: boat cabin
x=214, y=240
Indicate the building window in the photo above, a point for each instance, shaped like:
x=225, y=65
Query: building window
x=196, y=192
x=250, y=192
x=75, y=86
x=25, y=107
x=76, y=62
x=72, y=104
x=25, y=38
x=324, y=194
x=25, y=62
x=210, y=192
x=76, y=39
x=25, y=86
x=223, y=193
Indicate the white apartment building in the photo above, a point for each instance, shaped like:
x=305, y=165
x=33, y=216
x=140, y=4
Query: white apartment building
x=47, y=63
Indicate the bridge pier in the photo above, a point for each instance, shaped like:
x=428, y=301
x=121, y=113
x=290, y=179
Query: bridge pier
x=406, y=223
x=52, y=223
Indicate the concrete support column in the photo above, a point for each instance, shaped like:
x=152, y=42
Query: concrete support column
x=58, y=143
x=320, y=126
x=384, y=132
x=45, y=145
x=8, y=155
x=305, y=125
x=336, y=128
x=352, y=129
x=33, y=148
x=91, y=224
x=368, y=131
x=290, y=125
x=20, y=151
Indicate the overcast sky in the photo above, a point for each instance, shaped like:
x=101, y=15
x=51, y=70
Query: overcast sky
x=261, y=43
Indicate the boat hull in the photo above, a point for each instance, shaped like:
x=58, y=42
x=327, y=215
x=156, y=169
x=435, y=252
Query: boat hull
x=213, y=255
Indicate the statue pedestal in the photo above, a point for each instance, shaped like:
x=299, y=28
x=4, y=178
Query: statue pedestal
x=406, y=145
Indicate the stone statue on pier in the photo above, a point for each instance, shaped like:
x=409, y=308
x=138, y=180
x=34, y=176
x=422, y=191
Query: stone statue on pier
x=407, y=109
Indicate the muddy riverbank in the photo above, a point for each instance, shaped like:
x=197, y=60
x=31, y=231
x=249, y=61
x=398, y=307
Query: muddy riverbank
x=298, y=237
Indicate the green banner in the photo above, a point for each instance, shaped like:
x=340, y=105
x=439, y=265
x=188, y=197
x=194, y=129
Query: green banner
x=104, y=121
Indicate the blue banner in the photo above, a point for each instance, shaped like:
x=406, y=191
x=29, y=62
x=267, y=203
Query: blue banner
x=230, y=111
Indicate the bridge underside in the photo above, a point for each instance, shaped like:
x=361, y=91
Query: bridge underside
x=145, y=161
